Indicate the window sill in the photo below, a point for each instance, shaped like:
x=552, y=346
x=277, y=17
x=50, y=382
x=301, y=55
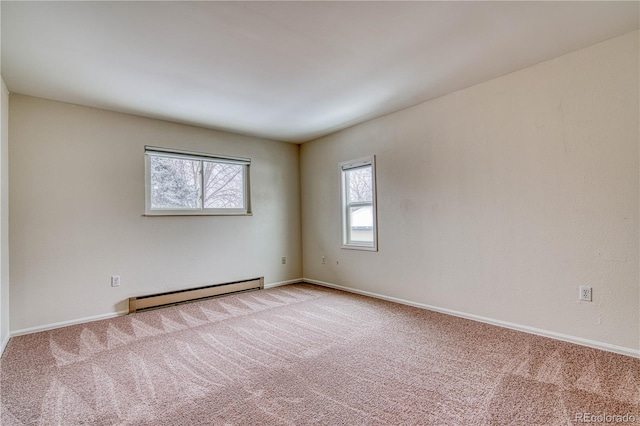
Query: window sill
x=363, y=248
x=193, y=214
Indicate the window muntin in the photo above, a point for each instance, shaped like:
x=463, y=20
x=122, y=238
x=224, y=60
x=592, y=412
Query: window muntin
x=359, y=230
x=185, y=183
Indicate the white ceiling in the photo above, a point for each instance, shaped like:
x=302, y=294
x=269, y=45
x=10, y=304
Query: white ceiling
x=289, y=71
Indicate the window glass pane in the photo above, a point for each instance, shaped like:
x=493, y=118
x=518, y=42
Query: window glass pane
x=224, y=186
x=175, y=183
x=361, y=224
x=359, y=185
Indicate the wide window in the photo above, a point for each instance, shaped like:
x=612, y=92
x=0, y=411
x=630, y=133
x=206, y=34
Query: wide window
x=187, y=183
x=359, y=204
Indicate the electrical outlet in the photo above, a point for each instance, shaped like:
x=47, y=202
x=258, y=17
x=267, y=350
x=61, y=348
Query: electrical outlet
x=585, y=293
x=115, y=281
x=284, y=260
x=324, y=260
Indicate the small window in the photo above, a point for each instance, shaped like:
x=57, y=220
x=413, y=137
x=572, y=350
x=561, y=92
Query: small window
x=359, y=228
x=187, y=183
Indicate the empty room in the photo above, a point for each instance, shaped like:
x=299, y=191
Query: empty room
x=332, y=212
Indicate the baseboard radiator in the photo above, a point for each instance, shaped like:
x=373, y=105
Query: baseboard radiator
x=161, y=300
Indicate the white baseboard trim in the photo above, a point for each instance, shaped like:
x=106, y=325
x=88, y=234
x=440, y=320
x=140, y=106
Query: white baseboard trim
x=66, y=323
x=278, y=284
x=531, y=330
x=4, y=344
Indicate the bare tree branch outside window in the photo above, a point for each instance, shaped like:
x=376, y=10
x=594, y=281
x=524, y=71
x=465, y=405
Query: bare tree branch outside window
x=175, y=183
x=360, y=188
x=223, y=185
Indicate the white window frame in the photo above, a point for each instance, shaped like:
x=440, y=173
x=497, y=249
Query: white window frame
x=151, y=151
x=346, y=166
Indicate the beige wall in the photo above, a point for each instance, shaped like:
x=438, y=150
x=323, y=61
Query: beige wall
x=501, y=199
x=76, y=206
x=4, y=218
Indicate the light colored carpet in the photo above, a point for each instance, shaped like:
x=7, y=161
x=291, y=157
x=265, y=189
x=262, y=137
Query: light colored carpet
x=303, y=354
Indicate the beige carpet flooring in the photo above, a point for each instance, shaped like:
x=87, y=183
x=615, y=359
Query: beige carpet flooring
x=302, y=354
